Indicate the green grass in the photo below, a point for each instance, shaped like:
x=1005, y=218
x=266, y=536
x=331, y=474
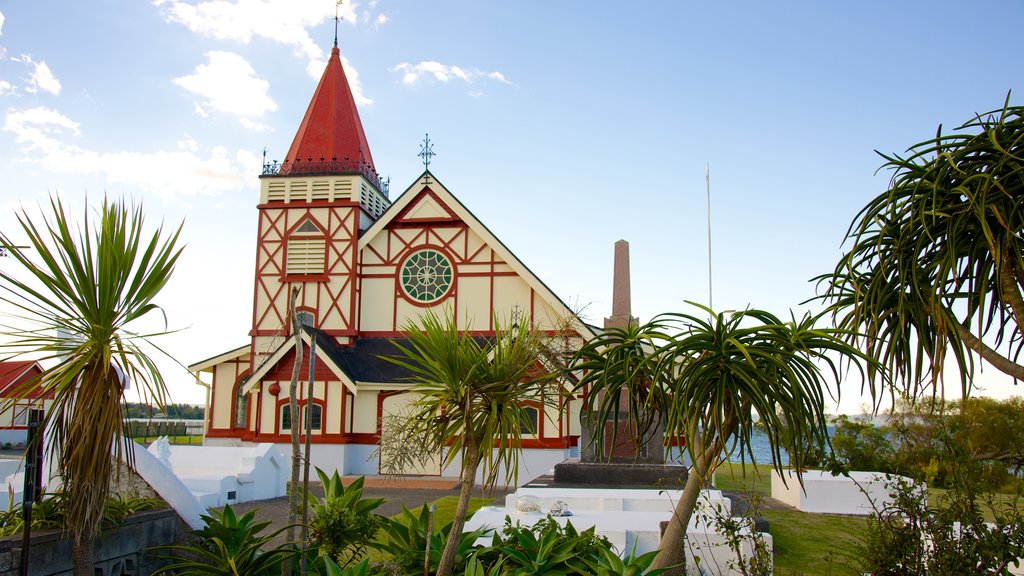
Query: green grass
x=804, y=543
x=731, y=476
x=445, y=511
x=989, y=503
x=194, y=440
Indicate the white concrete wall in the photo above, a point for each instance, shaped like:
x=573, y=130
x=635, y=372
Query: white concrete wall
x=631, y=520
x=824, y=493
x=533, y=462
x=168, y=486
x=254, y=472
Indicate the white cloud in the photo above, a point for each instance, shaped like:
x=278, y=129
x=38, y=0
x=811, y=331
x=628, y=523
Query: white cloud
x=2, y=23
x=254, y=126
x=44, y=135
x=498, y=76
x=41, y=79
x=283, y=21
x=382, y=19
x=7, y=88
x=411, y=73
x=227, y=84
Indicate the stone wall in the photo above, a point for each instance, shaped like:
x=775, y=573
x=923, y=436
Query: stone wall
x=122, y=552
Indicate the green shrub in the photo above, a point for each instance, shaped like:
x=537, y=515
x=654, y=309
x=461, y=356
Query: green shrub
x=406, y=540
x=228, y=545
x=343, y=521
x=950, y=538
x=49, y=513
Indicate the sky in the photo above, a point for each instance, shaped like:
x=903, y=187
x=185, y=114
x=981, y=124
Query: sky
x=563, y=126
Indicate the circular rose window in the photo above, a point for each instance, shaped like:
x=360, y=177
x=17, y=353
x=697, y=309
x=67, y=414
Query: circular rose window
x=426, y=276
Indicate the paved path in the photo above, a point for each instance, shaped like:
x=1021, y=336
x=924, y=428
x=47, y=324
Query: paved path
x=413, y=492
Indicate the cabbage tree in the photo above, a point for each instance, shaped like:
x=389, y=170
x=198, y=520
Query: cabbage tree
x=74, y=295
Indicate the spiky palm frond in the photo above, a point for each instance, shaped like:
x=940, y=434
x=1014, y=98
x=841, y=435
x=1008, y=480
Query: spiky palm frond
x=935, y=267
x=75, y=295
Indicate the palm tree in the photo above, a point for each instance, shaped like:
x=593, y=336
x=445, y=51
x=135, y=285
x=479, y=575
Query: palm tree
x=708, y=378
x=935, y=268
x=75, y=307
x=472, y=402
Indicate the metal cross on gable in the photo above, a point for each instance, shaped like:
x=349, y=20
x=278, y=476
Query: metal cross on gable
x=426, y=152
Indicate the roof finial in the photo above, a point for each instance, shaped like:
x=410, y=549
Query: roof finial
x=426, y=152
x=337, y=19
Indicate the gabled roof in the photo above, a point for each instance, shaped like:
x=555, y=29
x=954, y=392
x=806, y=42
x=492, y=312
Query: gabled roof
x=219, y=358
x=364, y=362
x=14, y=373
x=331, y=131
x=427, y=183
x=324, y=347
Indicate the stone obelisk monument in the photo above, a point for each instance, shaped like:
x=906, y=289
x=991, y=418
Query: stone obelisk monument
x=621, y=302
x=624, y=461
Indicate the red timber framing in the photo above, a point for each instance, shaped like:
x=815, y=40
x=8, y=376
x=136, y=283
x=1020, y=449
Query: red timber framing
x=447, y=233
x=325, y=380
x=331, y=294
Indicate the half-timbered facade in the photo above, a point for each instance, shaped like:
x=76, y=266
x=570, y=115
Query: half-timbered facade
x=362, y=268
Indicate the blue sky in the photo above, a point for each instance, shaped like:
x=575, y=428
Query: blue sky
x=564, y=126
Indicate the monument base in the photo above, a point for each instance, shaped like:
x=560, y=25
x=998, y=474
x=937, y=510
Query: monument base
x=575, y=472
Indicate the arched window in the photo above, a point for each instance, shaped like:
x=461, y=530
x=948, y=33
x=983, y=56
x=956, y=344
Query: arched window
x=530, y=425
x=241, y=404
x=315, y=423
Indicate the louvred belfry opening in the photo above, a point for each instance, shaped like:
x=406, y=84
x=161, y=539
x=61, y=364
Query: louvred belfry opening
x=330, y=139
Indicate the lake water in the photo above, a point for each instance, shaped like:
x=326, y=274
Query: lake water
x=762, y=450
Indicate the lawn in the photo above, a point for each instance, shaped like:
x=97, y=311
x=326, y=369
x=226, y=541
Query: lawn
x=803, y=543
x=812, y=544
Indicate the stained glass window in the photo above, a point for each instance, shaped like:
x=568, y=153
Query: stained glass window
x=426, y=276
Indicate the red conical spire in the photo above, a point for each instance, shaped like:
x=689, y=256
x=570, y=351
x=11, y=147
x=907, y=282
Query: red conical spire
x=330, y=138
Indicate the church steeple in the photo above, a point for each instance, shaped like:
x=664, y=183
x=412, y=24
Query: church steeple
x=330, y=139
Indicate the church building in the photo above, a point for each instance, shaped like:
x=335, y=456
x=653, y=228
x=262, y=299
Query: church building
x=364, y=266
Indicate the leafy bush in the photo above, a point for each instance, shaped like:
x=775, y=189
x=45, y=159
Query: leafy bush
x=911, y=537
x=863, y=446
x=407, y=537
x=49, y=513
x=228, y=545
x=547, y=547
x=343, y=521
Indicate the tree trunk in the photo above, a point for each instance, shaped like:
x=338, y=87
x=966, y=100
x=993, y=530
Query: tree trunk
x=293, y=409
x=81, y=556
x=671, y=554
x=446, y=565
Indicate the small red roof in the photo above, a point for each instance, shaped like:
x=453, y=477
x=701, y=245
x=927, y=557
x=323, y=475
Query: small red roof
x=12, y=374
x=330, y=131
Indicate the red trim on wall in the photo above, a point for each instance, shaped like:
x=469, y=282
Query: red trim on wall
x=282, y=205
x=322, y=403
x=219, y=433
x=234, y=403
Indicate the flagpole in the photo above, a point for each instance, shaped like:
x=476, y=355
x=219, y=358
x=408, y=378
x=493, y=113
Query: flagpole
x=707, y=181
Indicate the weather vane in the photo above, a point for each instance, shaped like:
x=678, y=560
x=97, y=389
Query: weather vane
x=426, y=152
x=337, y=19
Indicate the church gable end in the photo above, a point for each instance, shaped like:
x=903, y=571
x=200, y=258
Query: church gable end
x=432, y=253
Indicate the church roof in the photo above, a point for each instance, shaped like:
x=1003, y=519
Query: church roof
x=367, y=360
x=13, y=374
x=330, y=138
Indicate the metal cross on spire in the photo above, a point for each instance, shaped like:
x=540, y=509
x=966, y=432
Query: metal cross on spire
x=426, y=152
